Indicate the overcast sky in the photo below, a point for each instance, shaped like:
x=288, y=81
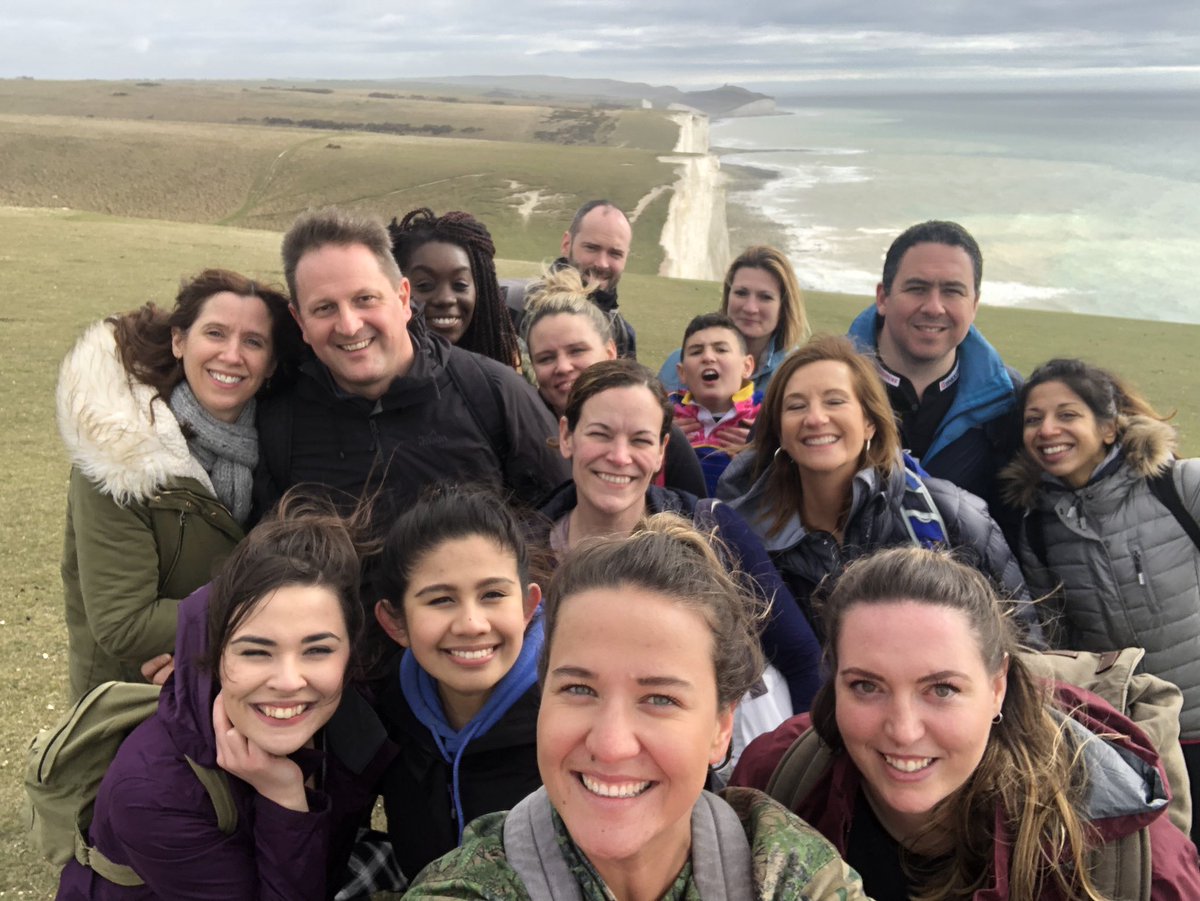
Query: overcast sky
x=774, y=46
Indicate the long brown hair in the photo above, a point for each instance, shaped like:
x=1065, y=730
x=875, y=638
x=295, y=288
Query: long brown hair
x=1030, y=769
x=785, y=495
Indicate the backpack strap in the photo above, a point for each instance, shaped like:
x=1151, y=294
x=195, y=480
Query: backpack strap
x=531, y=848
x=800, y=768
x=1163, y=487
x=471, y=381
x=1122, y=868
x=216, y=783
x=922, y=518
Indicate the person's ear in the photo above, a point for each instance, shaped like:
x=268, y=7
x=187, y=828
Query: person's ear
x=178, y=341
x=722, y=736
x=392, y=624
x=564, y=439
x=610, y=349
x=566, y=245
x=880, y=300
x=533, y=597
x=748, y=366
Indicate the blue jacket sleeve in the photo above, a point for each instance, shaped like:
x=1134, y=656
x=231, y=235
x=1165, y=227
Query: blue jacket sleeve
x=787, y=638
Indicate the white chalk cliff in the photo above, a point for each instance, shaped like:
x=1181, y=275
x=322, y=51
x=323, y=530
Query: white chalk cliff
x=695, y=237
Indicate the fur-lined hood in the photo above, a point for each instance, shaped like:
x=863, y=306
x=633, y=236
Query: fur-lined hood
x=115, y=430
x=1147, y=445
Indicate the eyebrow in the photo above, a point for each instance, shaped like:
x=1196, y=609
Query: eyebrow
x=940, y=676
x=449, y=587
x=915, y=282
x=270, y=642
x=579, y=672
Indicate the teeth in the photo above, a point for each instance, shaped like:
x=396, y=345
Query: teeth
x=614, y=480
x=1055, y=449
x=472, y=655
x=283, y=713
x=909, y=764
x=445, y=321
x=930, y=328
x=619, y=790
x=226, y=379
x=358, y=345
x=820, y=442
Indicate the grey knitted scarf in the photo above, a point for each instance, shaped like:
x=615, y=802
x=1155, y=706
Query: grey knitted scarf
x=227, y=451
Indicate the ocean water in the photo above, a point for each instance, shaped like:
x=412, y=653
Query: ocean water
x=1086, y=202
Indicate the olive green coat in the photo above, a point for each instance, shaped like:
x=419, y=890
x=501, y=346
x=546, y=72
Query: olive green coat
x=143, y=528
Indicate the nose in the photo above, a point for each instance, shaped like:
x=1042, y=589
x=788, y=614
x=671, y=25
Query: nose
x=815, y=415
x=903, y=726
x=469, y=621
x=286, y=675
x=611, y=735
x=618, y=451
x=562, y=363
x=231, y=352
x=1048, y=426
x=348, y=321
x=934, y=303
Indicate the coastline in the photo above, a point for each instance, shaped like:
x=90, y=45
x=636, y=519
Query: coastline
x=695, y=236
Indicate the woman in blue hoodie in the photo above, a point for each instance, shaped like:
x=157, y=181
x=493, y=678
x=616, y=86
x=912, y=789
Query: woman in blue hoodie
x=455, y=577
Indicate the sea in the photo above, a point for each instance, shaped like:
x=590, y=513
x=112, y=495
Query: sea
x=1081, y=201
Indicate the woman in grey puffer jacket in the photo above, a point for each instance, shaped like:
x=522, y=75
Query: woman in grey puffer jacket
x=1123, y=570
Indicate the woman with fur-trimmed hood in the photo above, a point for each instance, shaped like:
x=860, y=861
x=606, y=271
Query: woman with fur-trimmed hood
x=156, y=410
x=1123, y=569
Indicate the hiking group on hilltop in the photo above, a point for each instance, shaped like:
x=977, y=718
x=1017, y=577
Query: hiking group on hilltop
x=820, y=617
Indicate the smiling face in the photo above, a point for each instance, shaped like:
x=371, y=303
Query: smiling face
x=227, y=353
x=283, y=668
x=628, y=727
x=823, y=426
x=1063, y=435
x=914, y=705
x=713, y=368
x=442, y=284
x=755, y=300
x=615, y=449
x=465, y=613
x=600, y=249
x=929, y=309
x=353, y=317
x=561, y=346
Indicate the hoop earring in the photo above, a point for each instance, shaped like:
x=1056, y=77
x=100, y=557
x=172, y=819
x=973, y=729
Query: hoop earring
x=778, y=451
x=868, y=449
x=998, y=718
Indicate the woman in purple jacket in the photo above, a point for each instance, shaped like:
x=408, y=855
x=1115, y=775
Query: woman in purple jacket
x=256, y=701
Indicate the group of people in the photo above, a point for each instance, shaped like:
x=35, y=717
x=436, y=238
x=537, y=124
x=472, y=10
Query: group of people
x=406, y=530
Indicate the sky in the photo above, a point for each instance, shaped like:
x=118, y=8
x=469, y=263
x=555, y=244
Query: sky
x=774, y=47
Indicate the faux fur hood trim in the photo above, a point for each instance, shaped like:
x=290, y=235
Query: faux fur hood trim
x=1147, y=444
x=115, y=430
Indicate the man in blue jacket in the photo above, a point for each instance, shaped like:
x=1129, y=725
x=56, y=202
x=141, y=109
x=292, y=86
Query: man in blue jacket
x=955, y=399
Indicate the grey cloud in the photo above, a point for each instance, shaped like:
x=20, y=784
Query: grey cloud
x=690, y=43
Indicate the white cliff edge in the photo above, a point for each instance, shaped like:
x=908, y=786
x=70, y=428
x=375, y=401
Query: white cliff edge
x=695, y=237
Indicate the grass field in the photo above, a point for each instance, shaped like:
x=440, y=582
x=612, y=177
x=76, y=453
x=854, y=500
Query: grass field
x=152, y=201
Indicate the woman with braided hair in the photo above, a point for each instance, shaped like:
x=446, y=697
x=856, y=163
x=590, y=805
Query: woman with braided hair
x=450, y=263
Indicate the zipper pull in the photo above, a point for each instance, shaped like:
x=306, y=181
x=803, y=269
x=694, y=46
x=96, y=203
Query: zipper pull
x=1137, y=567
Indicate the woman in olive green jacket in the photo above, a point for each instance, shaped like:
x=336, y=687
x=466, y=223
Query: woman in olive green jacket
x=157, y=413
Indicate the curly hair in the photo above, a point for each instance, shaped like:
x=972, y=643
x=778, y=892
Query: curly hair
x=490, y=331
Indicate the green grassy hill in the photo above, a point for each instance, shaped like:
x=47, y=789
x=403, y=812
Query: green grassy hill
x=152, y=201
